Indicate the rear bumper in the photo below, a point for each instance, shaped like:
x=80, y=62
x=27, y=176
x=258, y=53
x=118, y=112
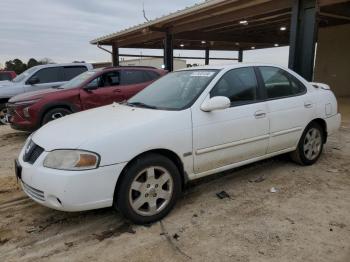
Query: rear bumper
x=333, y=123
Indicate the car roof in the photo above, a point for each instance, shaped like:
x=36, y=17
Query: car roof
x=232, y=66
x=64, y=64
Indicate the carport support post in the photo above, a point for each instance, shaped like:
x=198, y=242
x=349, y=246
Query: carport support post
x=115, y=55
x=240, y=55
x=303, y=33
x=168, y=52
x=207, y=56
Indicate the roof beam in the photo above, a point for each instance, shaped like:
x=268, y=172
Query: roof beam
x=244, y=13
x=265, y=39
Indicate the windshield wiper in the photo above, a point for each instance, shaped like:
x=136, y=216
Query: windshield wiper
x=140, y=104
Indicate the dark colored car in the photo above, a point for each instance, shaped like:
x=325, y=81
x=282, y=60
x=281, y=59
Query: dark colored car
x=7, y=75
x=91, y=89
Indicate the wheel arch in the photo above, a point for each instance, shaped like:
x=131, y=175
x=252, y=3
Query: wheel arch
x=51, y=106
x=323, y=124
x=161, y=151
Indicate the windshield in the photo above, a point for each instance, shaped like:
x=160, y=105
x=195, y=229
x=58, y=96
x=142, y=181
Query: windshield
x=24, y=75
x=175, y=91
x=78, y=80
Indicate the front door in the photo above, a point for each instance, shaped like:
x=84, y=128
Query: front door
x=103, y=90
x=47, y=77
x=232, y=135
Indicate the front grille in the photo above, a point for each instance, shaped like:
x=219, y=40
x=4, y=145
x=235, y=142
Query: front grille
x=10, y=109
x=32, y=152
x=35, y=193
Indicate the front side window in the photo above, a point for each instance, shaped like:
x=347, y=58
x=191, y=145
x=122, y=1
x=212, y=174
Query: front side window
x=174, y=91
x=106, y=79
x=48, y=75
x=279, y=83
x=239, y=85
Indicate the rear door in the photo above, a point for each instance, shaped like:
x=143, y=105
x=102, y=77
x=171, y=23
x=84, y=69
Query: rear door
x=103, y=90
x=133, y=81
x=289, y=107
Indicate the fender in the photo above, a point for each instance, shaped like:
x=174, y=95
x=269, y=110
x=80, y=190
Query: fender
x=55, y=104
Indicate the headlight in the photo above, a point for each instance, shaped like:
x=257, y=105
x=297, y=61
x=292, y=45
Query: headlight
x=71, y=160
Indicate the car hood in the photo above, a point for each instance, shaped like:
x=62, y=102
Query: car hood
x=74, y=130
x=6, y=83
x=33, y=95
x=9, y=89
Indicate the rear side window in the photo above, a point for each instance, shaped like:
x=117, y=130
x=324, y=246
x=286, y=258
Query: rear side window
x=279, y=83
x=151, y=75
x=5, y=76
x=130, y=77
x=239, y=85
x=48, y=75
x=69, y=72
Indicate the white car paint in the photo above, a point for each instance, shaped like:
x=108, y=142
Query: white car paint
x=205, y=142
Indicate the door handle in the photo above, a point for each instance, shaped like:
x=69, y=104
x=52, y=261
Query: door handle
x=259, y=114
x=117, y=91
x=307, y=104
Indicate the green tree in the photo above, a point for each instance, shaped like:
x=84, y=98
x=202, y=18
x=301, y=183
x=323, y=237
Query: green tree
x=15, y=65
x=32, y=62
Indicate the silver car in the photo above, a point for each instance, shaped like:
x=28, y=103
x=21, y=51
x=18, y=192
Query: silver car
x=36, y=78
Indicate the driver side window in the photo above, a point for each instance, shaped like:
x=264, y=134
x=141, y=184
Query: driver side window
x=105, y=80
x=239, y=85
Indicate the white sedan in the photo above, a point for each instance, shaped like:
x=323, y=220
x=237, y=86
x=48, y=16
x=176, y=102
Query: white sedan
x=138, y=156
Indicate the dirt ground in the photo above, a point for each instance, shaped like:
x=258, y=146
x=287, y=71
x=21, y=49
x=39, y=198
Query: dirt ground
x=307, y=219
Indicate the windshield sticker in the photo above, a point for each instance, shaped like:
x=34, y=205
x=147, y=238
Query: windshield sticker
x=202, y=73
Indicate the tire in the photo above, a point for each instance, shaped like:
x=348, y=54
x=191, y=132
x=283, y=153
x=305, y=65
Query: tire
x=3, y=112
x=54, y=114
x=310, y=145
x=143, y=198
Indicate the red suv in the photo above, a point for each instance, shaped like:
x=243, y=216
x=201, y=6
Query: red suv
x=7, y=75
x=91, y=89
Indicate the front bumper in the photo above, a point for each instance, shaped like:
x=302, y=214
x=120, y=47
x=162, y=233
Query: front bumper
x=69, y=190
x=19, y=122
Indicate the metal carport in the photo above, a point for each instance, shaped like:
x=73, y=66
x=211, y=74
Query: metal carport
x=236, y=25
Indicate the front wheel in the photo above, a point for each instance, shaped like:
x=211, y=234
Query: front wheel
x=149, y=189
x=310, y=145
x=54, y=114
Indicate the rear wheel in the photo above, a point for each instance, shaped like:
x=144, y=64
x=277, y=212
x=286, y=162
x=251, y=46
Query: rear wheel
x=54, y=114
x=310, y=145
x=149, y=189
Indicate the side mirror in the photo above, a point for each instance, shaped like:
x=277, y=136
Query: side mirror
x=93, y=85
x=33, y=80
x=216, y=103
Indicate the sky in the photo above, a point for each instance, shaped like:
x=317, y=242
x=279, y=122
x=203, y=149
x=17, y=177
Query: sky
x=62, y=29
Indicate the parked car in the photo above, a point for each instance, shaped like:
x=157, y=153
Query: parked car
x=7, y=75
x=186, y=125
x=91, y=89
x=37, y=78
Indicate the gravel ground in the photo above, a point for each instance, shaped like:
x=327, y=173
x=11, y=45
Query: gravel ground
x=307, y=219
